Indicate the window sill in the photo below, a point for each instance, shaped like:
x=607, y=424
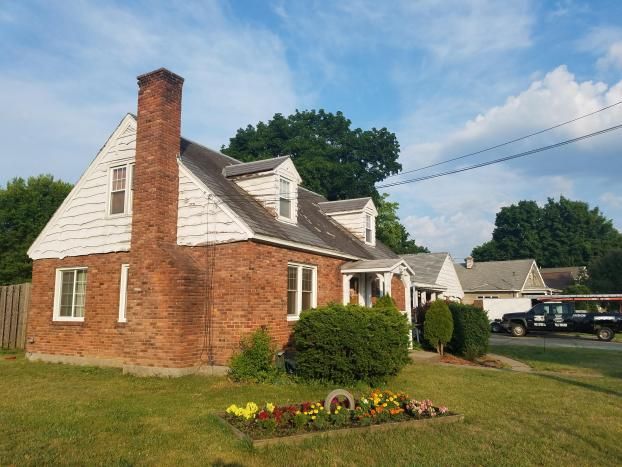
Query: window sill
x=293, y=317
x=71, y=322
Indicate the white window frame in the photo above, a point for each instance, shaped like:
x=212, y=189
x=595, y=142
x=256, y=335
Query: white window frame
x=300, y=267
x=372, y=229
x=58, y=288
x=123, y=293
x=289, y=198
x=129, y=189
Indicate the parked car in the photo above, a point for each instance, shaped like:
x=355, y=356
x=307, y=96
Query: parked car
x=562, y=317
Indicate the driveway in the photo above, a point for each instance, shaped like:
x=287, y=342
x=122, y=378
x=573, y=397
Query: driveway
x=554, y=340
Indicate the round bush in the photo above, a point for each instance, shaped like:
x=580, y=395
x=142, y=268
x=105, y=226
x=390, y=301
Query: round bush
x=471, y=331
x=346, y=344
x=255, y=362
x=438, y=325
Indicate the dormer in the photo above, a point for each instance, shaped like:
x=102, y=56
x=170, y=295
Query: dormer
x=357, y=215
x=273, y=182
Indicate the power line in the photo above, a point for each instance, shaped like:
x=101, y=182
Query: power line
x=506, y=143
x=503, y=159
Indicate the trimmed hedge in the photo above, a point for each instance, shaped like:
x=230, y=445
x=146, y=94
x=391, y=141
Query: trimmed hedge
x=438, y=325
x=344, y=344
x=471, y=331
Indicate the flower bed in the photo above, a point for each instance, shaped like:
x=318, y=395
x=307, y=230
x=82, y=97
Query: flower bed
x=381, y=407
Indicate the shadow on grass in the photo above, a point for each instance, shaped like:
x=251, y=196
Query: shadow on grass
x=580, y=384
x=565, y=360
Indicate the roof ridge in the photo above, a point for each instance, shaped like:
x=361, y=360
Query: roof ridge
x=348, y=199
x=191, y=141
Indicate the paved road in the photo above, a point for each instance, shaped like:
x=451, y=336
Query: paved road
x=556, y=340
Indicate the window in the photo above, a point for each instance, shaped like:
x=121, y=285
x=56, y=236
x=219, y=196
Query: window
x=369, y=229
x=123, y=293
x=301, y=289
x=121, y=189
x=285, y=202
x=70, y=294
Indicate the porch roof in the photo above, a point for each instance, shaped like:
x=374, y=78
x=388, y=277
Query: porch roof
x=376, y=265
x=426, y=286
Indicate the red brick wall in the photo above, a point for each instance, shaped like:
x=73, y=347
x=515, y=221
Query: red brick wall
x=100, y=334
x=398, y=293
x=249, y=290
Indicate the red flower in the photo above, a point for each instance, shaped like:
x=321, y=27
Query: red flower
x=263, y=415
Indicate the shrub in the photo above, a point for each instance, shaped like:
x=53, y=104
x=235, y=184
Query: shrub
x=386, y=302
x=471, y=331
x=348, y=343
x=438, y=325
x=255, y=362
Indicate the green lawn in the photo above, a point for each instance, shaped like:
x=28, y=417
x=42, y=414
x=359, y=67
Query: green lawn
x=58, y=414
x=587, y=362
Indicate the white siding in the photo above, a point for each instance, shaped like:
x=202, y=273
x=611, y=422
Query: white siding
x=449, y=278
x=266, y=188
x=81, y=225
x=355, y=221
x=196, y=211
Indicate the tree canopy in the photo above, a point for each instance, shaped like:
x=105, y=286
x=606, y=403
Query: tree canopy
x=333, y=159
x=605, y=272
x=25, y=208
x=560, y=233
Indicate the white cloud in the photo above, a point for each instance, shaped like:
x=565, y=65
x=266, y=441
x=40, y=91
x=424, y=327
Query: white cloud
x=68, y=97
x=611, y=199
x=460, y=209
x=612, y=58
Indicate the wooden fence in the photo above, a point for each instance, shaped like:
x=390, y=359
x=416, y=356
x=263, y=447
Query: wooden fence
x=14, y=303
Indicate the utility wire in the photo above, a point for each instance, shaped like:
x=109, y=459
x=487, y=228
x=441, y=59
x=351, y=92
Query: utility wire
x=502, y=159
x=506, y=143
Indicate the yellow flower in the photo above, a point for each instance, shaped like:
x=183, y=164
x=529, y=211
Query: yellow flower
x=315, y=411
x=270, y=407
x=313, y=417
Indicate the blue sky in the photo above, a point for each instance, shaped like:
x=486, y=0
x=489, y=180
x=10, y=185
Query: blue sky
x=449, y=77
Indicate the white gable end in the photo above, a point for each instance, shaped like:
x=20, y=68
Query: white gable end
x=81, y=225
x=203, y=217
x=448, y=277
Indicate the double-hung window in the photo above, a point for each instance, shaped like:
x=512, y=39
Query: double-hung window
x=70, y=294
x=285, y=199
x=120, y=189
x=301, y=289
x=369, y=228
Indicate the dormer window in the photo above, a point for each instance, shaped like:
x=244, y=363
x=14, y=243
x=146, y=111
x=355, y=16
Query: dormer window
x=120, y=190
x=285, y=202
x=369, y=228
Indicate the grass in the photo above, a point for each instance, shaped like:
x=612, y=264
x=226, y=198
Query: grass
x=60, y=414
x=579, y=361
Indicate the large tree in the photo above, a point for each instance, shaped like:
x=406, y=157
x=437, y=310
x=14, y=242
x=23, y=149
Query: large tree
x=560, y=233
x=605, y=272
x=25, y=208
x=333, y=159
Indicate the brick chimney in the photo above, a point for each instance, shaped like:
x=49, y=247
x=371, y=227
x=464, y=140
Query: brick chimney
x=156, y=174
x=154, y=331
x=469, y=262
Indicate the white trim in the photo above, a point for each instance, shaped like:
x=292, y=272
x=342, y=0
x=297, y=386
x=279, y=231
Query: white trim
x=123, y=293
x=300, y=267
x=121, y=127
x=292, y=219
x=302, y=247
x=58, y=285
x=129, y=183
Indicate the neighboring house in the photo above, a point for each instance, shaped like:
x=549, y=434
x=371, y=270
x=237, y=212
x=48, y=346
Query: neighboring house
x=435, y=277
x=166, y=252
x=500, y=279
x=562, y=278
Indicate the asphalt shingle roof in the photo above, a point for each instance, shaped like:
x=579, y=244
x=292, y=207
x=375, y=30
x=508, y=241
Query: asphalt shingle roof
x=494, y=275
x=246, y=168
x=345, y=205
x=371, y=264
x=314, y=228
x=427, y=266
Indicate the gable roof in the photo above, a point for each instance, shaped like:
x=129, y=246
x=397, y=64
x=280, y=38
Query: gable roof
x=495, y=275
x=427, y=266
x=247, y=168
x=314, y=228
x=561, y=278
x=345, y=205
